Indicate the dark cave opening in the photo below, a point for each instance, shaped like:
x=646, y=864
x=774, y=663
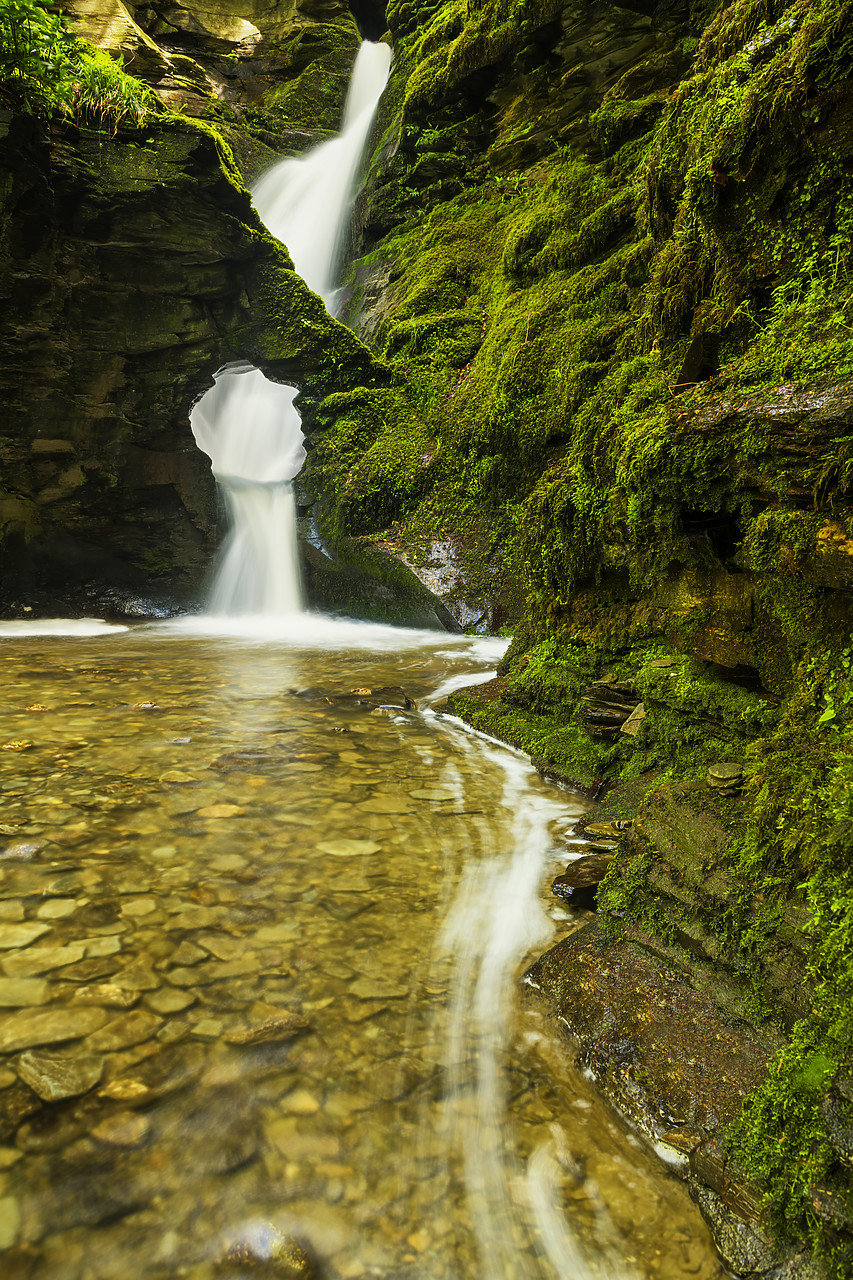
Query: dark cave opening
x=370, y=18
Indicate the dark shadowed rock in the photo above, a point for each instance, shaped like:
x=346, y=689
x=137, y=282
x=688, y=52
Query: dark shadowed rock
x=578, y=885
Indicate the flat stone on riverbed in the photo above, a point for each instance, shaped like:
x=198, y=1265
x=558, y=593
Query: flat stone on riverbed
x=26, y=1029
x=272, y=1030
x=123, y=1129
x=106, y=993
x=385, y=804
x=169, y=1000
x=10, y=1221
x=368, y=987
x=300, y=1103
x=57, y=908
x=432, y=793
x=121, y=1033
x=41, y=959
x=348, y=848
x=220, y=811
x=207, y=1029
x=20, y=993
x=54, y=1078
x=20, y=935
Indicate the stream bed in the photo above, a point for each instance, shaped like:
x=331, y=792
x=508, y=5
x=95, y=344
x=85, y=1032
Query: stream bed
x=261, y=947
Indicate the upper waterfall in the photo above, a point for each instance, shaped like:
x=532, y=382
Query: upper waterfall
x=247, y=425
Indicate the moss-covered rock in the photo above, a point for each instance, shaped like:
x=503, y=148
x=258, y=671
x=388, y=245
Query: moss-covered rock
x=607, y=257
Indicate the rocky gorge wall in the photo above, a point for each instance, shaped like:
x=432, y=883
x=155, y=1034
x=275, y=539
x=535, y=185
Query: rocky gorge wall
x=605, y=251
x=132, y=266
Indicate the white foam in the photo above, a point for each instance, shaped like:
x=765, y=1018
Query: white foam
x=60, y=627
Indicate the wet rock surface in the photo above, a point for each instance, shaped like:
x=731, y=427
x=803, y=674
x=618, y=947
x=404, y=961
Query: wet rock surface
x=364, y=581
x=670, y=1061
x=579, y=883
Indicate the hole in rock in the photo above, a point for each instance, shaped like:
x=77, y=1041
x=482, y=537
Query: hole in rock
x=711, y=531
x=370, y=18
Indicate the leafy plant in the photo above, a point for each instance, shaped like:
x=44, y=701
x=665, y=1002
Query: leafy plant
x=38, y=57
x=106, y=95
x=43, y=69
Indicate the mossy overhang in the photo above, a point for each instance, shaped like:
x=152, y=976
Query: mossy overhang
x=292, y=338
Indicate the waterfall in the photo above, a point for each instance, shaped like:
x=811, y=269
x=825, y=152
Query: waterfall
x=247, y=425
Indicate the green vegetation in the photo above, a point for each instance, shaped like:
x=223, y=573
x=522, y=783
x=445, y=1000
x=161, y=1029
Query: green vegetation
x=551, y=272
x=43, y=70
x=37, y=57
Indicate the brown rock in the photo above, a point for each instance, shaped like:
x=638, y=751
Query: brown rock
x=271, y=1031
x=122, y=1129
x=578, y=885
x=54, y=1078
x=28, y=1029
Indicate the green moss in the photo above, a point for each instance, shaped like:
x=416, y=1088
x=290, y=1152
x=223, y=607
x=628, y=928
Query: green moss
x=542, y=303
x=558, y=746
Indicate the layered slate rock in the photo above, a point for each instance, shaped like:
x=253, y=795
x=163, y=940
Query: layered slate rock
x=674, y=1065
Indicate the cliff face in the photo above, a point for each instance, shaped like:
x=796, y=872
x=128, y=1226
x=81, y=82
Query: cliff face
x=132, y=266
x=606, y=252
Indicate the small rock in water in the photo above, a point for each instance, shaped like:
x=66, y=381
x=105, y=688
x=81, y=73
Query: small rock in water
x=105, y=993
x=126, y=1091
x=10, y=1222
x=123, y=1129
x=57, y=908
x=271, y=1031
x=168, y=1000
x=121, y=1033
x=24, y=850
x=54, y=1078
x=578, y=885
x=264, y=1250
x=20, y=993
x=207, y=1029
x=300, y=1103
x=28, y=1029
x=220, y=811
x=23, y=964
x=187, y=953
x=348, y=848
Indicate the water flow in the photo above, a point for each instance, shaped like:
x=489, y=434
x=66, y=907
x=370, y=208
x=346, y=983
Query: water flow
x=248, y=425
x=495, y=920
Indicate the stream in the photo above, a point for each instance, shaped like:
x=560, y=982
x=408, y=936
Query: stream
x=261, y=950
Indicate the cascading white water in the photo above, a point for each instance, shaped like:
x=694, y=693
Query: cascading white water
x=247, y=425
